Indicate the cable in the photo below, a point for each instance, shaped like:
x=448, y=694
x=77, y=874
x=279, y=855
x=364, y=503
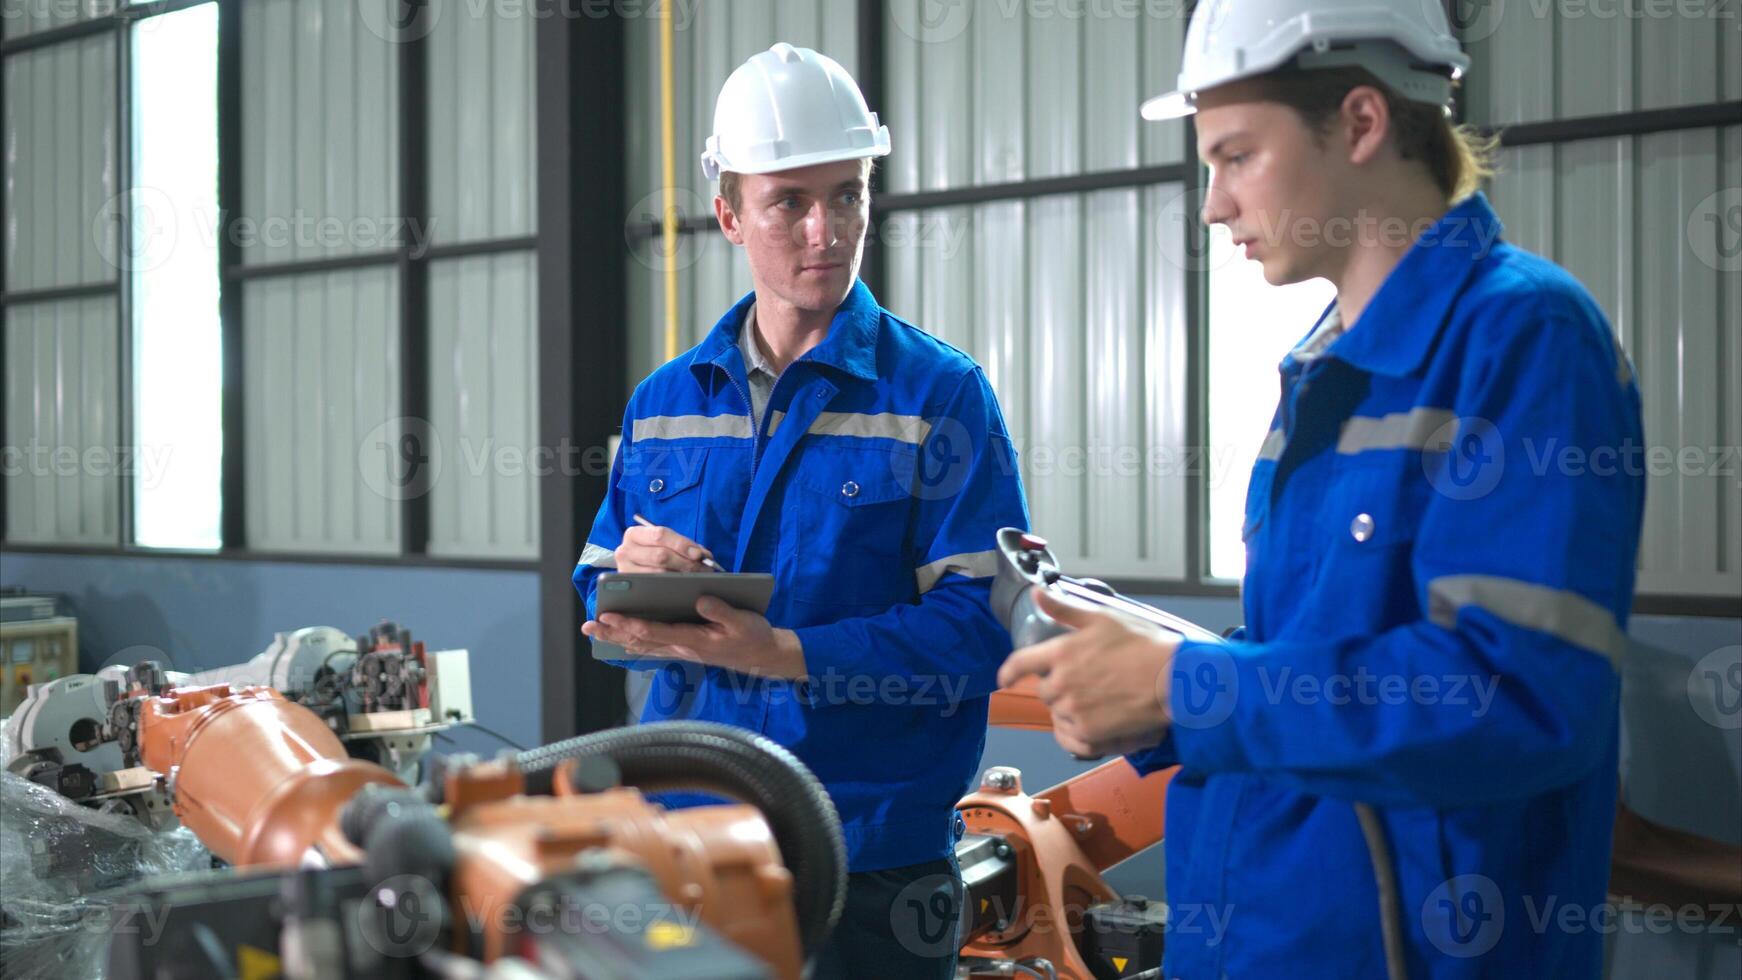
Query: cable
x=505, y=740
x=1385, y=877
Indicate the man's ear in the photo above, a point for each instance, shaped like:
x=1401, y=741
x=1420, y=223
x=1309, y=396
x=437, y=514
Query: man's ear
x=728, y=221
x=1365, y=120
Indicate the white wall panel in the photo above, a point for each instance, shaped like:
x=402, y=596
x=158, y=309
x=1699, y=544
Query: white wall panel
x=1632, y=219
x=62, y=409
x=1113, y=332
x=1075, y=306
x=1035, y=90
x=321, y=383
x=60, y=165
x=21, y=17
x=710, y=39
x=1534, y=61
x=319, y=137
x=480, y=124
x=482, y=343
x=1170, y=462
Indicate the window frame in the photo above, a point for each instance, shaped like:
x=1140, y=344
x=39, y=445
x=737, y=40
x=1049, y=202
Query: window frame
x=412, y=264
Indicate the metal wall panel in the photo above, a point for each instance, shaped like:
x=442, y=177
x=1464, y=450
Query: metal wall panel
x=60, y=165
x=62, y=409
x=480, y=123
x=710, y=38
x=1533, y=62
x=321, y=380
x=320, y=158
x=483, y=398
x=1054, y=286
x=990, y=92
x=21, y=17
x=1632, y=219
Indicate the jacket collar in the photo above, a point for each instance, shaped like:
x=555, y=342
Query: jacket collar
x=1398, y=329
x=851, y=345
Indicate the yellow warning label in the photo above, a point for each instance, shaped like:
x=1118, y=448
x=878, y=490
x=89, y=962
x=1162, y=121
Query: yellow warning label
x=257, y=964
x=983, y=905
x=1119, y=963
x=669, y=935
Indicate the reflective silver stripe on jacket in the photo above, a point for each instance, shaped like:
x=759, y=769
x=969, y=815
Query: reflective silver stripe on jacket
x=691, y=427
x=1413, y=429
x=973, y=564
x=911, y=429
x=1273, y=443
x=597, y=556
x=1565, y=615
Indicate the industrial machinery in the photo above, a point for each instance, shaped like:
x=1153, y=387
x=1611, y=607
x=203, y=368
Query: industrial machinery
x=1036, y=903
x=38, y=644
x=382, y=695
x=548, y=863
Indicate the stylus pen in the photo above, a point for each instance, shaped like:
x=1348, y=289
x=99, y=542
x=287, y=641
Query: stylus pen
x=644, y=522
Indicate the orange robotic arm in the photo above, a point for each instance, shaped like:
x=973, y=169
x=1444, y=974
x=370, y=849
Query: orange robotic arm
x=1032, y=864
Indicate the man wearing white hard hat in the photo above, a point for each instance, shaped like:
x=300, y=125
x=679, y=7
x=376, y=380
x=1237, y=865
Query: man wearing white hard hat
x=1409, y=751
x=864, y=463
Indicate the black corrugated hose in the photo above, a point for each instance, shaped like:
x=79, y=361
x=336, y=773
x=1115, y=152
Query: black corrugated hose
x=732, y=762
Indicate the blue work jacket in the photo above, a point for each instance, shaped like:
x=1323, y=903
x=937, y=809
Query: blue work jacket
x=873, y=489
x=1441, y=532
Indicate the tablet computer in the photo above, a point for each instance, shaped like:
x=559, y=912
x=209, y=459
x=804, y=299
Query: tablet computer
x=670, y=597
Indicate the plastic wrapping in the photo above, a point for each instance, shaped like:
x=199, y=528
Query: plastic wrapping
x=61, y=868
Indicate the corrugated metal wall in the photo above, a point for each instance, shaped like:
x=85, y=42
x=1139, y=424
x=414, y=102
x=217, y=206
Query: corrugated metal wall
x=62, y=413
x=480, y=124
x=483, y=329
x=1074, y=303
x=62, y=363
x=60, y=165
x=710, y=39
x=1039, y=290
x=322, y=382
x=320, y=146
x=484, y=403
x=1632, y=218
x=1530, y=64
x=999, y=91
x=21, y=17
x=320, y=162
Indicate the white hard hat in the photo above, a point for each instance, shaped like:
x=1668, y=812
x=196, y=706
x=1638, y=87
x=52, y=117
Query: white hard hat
x=1406, y=43
x=790, y=107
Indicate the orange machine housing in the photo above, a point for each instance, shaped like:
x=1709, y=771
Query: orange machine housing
x=1063, y=838
x=262, y=781
x=718, y=863
x=258, y=778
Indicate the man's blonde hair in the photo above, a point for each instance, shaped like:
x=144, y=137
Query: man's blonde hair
x=1458, y=158
x=734, y=194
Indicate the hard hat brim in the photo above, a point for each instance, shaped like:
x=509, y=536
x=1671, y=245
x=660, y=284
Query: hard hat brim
x=1171, y=105
x=880, y=148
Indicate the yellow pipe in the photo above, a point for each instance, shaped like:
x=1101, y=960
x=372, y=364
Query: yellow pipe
x=668, y=220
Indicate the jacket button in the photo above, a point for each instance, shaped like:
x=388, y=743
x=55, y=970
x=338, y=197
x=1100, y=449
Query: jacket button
x=1361, y=528
x=849, y=489
x=655, y=485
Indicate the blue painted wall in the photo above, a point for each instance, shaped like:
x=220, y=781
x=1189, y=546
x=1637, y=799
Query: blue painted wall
x=201, y=612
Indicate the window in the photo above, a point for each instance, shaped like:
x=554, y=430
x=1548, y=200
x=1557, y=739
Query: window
x=1252, y=324
x=173, y=265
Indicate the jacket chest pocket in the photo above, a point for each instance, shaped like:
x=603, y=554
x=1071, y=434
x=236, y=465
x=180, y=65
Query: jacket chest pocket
x=845, y=530
x=1367, y=525
x=665, y=486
